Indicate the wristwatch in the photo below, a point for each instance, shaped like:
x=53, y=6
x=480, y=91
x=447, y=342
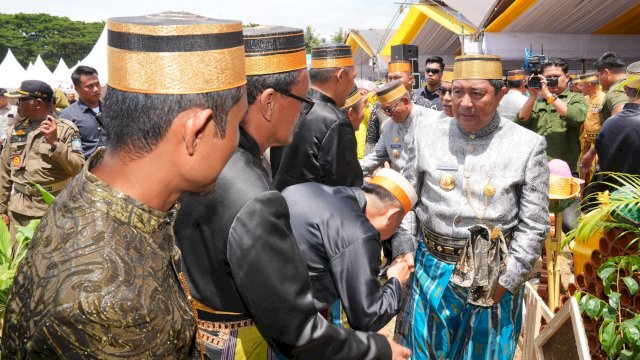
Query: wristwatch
x=552, y=98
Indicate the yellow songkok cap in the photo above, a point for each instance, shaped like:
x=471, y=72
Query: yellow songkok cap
x=391, y=92
x=516, y=75
x=174, y=53
x=399, y=66
x=397, y=185
x=354, y=96
x=273, y=49
x=331, y=56
x=447, y=75
x=588, y=77
x=477, y=67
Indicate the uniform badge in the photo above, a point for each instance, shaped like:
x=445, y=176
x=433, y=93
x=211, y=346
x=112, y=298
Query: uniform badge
x=76, y=145
x=16, y=161
x=20, y=132
x=396, y=153
x=396, y=139
x=447, y=182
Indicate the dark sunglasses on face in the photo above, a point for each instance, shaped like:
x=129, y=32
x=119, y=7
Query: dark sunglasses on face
x=307, y=104
x=24, y=98
x=443, y=91
x=432, y=71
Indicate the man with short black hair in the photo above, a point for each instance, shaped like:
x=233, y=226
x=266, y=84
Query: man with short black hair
x=557, y=114
x=324, y=143
x=86, y=112
x=434, y=68
x=7, y=115
x=611, y=72
x=101, y=278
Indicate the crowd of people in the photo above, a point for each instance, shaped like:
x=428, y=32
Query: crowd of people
x=211, y=203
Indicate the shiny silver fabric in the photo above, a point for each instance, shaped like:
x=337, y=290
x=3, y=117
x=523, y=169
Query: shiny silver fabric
x=505, y=155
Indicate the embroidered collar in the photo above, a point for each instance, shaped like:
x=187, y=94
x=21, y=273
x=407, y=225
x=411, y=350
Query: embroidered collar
x=489, y=129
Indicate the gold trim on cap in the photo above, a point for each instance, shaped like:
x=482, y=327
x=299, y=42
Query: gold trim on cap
x=588, y=78
x=351, y=100
x=332, y=63
x=400, y=67
x=172, y=30
x=516, y=77
x=477, y=67
x=175, y=73
x=395, y=190
x=277, y=63
x=392, y=95
x=447, y=74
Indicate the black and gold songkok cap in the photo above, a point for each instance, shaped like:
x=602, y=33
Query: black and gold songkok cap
x=174, y=53
x=273, y=49
x=331, y=56
x=516, y=75
x=391, y=92
x=588, y=77
x=477, y=67
x=354, y=96
x=447, y=74
x=399, y=66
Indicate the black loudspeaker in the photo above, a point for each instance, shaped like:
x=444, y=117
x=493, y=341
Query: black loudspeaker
x=404, y=52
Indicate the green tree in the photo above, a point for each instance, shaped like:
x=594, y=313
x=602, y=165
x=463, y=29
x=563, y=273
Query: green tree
x=338, y=37
x=53, y=37
x=311, y=39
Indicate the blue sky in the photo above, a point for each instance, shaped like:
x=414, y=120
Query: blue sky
x=325, y=16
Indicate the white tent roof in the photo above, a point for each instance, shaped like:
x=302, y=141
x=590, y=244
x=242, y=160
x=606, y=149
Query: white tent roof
x=61, y=75
x=30, y=66
x=39, y=71
x=97, y=58
x=11, y=72
x=475, y=11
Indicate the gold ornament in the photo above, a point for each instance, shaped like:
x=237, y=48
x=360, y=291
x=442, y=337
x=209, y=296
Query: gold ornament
x=447, y=182
x=396, y=153
x=489, y=190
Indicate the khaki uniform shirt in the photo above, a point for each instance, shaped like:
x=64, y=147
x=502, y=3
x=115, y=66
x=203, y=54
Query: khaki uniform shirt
x=27, y=158
x=613, y=99
x=100, y=281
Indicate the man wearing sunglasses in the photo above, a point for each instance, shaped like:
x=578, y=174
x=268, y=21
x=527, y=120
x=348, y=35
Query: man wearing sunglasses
x=396, y=136
x=242, y=266
x=324, y=143
x=433, y=74
x=40, y=149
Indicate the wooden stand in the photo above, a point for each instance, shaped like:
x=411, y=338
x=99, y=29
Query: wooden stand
x=552, y=247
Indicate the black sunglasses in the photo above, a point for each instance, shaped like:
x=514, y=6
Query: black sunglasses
x=307, y=104
x=432, y=71
x=25, y=98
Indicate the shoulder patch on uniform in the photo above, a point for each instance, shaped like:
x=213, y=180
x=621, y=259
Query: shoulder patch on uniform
x=76, y=144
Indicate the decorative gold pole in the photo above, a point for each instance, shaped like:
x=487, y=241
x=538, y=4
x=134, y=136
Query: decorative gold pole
x=552, y=247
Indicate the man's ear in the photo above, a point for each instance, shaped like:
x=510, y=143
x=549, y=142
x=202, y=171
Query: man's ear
x=267, y=102
x=341, y=74
x=411, y=79
x=390, y=213
x=194, y=128
x=502, y=93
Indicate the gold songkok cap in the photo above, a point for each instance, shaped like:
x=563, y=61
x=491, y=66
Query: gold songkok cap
x=516, y=75
x=633, y=77
x=273, y=49
x=400, y=66
x=331, y=56
x=477, y=67
x=588, y=77
x=391, y=92
x=354, y=96
x=447, y=75
x=174, y=53
x=397, y=185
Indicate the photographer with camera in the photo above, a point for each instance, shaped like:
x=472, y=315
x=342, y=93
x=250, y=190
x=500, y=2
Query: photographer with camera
x=554, y=112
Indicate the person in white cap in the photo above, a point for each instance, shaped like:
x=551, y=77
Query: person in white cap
x=339, y=230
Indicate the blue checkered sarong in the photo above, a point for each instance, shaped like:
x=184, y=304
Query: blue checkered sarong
x=439, y=324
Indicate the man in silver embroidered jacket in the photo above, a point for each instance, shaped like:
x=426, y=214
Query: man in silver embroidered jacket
x=475, y=168
x=396, y=103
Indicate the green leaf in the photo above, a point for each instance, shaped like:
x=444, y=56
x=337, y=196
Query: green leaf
x=592, y=308
x=614, y=299
x=631, y=284
x=5, y=244
x=46, y=196
x=630, y=330
x=627, y=354
x=606, y=273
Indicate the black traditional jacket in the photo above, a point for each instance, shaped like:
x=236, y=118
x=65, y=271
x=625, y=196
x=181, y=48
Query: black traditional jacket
x=323, y=148
x=240, y=256
x=342, y=250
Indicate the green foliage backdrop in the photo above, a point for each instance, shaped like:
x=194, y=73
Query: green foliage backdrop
x=53, y=37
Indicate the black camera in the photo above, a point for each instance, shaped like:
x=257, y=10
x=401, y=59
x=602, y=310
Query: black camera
x=535, y=82
x=552, y=81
